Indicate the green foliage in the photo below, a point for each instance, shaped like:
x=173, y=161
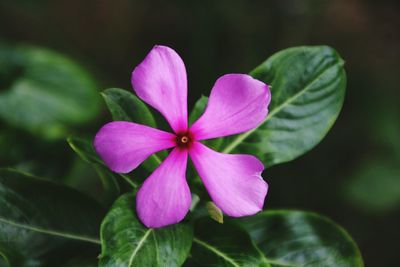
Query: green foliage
x=225, y=244
x=198, y=109
x=125, y=106
x=374, y=184
x=20, y=150
x=374, y=187
x=44, y=223
x=38, y=217
x=307, y=87
x=44, y=92
x=85, y=150
x=296, y=238
x=273, y=238
x=126, y=242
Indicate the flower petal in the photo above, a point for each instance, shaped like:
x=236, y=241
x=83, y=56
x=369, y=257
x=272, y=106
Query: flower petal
x=164, y=197
x=234, y=182
x=160, y=81
x=237, y=104
x=124, y=145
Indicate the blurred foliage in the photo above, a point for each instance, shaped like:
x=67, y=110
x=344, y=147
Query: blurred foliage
x=374, y=185
x=352, y=176
x=44, y=97
x=44, y=92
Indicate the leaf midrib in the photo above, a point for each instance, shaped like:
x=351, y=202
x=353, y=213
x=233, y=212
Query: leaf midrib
x=139, y=246
x=284, y=264
x=216, y=251
x=156, y=158
x=232, y=261
x=243, y=136
x=51, y=232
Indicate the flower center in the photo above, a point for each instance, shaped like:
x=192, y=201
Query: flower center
x=184, y=140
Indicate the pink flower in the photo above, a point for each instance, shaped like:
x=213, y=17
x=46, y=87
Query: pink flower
x=237, y=103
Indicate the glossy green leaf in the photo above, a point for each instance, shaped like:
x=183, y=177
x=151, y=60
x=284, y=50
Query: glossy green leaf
x=225, y=244
x=126, y=242
x=296, y=238
x=308, y=87
x=125, y=106
x=38, y=217
x=44, y=92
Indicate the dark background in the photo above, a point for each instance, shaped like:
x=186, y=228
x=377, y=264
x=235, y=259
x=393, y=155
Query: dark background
x=353, y=176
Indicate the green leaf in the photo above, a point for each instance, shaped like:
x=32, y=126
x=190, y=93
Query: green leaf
x=198, y=109
x=126, y=242
x=85, y=150
x=38, y=216
x=125, y=106
x=225, y=244
x=308, y=88
x=24, y=152
x=296, y=238
x=44, y=92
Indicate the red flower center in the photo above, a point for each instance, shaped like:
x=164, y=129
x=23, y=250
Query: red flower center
x=184, y=140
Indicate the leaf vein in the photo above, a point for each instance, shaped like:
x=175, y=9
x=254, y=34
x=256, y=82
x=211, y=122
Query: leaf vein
x=243, y=136
x=216, y=251
x=139, y=246
x=51, y=232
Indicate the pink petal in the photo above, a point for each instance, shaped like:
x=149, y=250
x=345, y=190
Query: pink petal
x=124, y=145
x=160, y=81
x=237, y=103
x=234, y=182
x=164, y=197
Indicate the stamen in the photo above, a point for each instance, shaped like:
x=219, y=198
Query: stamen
x=184, y=139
